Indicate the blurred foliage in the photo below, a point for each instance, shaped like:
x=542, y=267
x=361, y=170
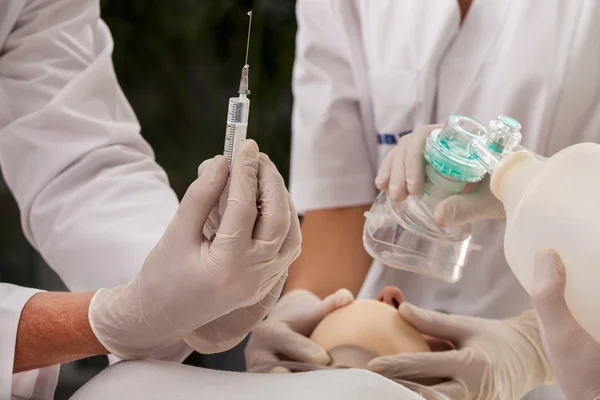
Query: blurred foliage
x=179, y=61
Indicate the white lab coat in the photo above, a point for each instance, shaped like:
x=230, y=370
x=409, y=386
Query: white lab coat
x=93, y=201
x=368, y=71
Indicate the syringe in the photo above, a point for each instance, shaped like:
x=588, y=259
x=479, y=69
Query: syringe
x=237, y=119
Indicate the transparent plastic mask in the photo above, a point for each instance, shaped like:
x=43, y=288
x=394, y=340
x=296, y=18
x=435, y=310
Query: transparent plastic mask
x=405, y=235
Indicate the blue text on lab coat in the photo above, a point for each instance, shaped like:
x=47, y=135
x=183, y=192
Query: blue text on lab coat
x=390, y=138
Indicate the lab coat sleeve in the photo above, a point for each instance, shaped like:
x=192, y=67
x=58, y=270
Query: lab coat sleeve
x=92, y=199
x=330, y=163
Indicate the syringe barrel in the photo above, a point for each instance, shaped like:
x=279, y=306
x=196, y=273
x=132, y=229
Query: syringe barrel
x=235, y=133
x=239, y=108
x=237, y=125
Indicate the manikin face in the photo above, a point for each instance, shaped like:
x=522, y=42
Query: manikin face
x=355, y=334
x=365, y=329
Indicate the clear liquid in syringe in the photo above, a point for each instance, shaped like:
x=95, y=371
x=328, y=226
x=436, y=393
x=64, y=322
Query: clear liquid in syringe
x=237, y=126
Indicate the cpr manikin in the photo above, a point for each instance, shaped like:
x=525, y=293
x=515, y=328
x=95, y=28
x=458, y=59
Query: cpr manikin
x=380, y=331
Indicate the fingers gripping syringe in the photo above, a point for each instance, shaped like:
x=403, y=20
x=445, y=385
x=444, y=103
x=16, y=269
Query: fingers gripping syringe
x=237, y=119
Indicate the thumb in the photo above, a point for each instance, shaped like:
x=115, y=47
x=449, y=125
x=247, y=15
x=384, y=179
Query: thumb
x=548, y=292
x=303, y=310
x=432, y=323
x=332, y=302
x=336, y=300
x=202, y=195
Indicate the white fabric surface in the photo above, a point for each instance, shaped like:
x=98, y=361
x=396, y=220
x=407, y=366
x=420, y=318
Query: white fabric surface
x=156, y=380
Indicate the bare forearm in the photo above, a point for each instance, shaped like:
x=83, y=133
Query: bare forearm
x=333, y=255
x=54, y=329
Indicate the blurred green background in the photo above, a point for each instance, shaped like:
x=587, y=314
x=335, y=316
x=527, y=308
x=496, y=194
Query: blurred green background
x=178, y=62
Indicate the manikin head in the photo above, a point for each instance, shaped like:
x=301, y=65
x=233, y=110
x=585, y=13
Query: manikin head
x=355, y=334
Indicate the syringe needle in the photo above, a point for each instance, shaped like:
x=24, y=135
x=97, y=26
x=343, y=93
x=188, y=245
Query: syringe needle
x=243, y=90
x=248, y=40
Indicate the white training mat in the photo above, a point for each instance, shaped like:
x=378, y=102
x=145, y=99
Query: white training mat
x=158, y=380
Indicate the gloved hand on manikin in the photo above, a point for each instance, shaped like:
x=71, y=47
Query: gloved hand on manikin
x=285, y=333
x=492, y=359
x=402, y=173
x=213, y=292
x=573, y=353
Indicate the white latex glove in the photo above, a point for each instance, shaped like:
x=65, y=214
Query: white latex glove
x=493, y=359
x=188, y=281
x=573, y=353
x=402, y=174
x=229, y=330
x=285, y=332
